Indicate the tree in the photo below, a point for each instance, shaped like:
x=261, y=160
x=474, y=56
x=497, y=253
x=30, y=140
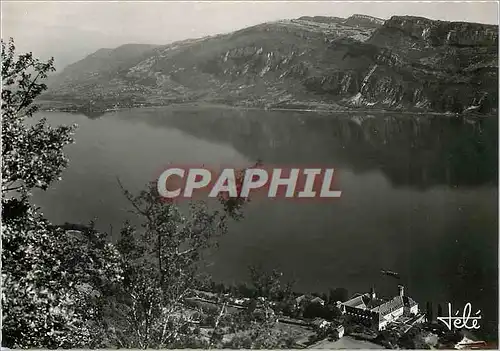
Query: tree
x=254, y=329
x=413, y=339
x=387, y=338
x=338, y=294
x=32, y=151
x=255, y=326
x=267, y=284
x=52, y=281
x=314, y=310
x=161, y=264
x=245, y=290
x=161, y=269
x=451, y=338
x=440, y=311
x=428, y=312
x=323, y=296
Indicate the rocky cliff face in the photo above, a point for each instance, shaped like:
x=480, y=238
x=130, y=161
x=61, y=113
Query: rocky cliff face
x=437, y=33
x=314, y=62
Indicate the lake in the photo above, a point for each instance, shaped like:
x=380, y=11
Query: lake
x=419, y=194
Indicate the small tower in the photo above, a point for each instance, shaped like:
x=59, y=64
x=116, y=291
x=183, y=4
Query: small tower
x=401, y=289
x=373, y=295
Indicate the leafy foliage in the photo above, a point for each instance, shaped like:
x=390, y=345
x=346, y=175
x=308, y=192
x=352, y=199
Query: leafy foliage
x=52, y=282
x=32, y=155
x=338, y=294
x=267, y=285
x=233, y=206
x=160, y=265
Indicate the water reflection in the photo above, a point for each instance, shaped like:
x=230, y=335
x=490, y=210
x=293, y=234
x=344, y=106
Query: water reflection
x=416, y=151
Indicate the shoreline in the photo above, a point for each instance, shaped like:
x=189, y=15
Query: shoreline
x=186, y=105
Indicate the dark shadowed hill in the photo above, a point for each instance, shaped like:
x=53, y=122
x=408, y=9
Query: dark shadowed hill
x=312, y=62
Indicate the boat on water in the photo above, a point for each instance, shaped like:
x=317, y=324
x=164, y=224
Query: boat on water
x=390, y=273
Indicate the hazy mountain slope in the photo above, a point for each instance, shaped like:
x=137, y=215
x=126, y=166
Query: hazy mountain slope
x=359, y=62
x=102, y=65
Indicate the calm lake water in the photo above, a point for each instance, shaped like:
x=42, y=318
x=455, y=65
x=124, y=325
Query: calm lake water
x=419, y=194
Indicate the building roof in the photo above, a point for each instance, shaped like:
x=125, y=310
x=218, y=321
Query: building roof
x=374, y=303
x=380, y=306
x=300, y=298
x=356, y=302
x=409, y=302
x=389, y=306
x=317, y=299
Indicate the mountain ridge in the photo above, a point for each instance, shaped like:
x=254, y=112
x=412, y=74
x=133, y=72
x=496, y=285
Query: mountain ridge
x=403, y=63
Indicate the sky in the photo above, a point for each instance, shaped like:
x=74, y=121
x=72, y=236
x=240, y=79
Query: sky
x=70, y=30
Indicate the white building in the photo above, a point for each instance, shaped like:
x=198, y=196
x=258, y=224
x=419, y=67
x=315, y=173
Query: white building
x=339, y=331
x=379, y=312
